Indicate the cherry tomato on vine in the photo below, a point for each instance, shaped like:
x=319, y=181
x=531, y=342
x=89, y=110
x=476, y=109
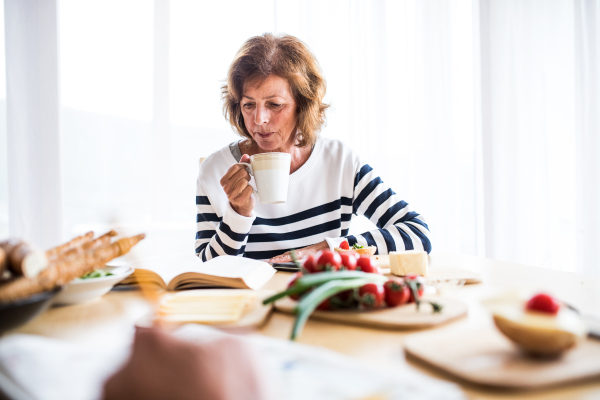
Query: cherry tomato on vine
x=325, y=305
x=396, y=292
x=291, y=283
x=327, y=260
x=544, y=303
x=364, y=264
x=419, y=282
x=348, y=261
x=309, y=264
x=344, y=245
x=343, y=299
x=371, y=295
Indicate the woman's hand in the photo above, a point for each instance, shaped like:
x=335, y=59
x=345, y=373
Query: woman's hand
x=300, y=253
x=238, y=190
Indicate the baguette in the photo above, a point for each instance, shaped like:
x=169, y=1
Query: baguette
x=22, y=258
x=62, y=271
x=9, y=245
x=73, y=243
x=365, y=251
x=27, y=260
x=100, y=241
x=2, y=262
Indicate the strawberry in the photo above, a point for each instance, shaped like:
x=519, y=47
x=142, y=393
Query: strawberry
x=544, y=303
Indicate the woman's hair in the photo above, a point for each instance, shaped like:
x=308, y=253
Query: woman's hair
x=286, y=57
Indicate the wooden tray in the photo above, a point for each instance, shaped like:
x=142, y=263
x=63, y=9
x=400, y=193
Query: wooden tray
x=485, y=357
x=255, y=316
x=436, y=273
x=403, y=317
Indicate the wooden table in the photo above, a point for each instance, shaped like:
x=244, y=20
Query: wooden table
x=113, y=316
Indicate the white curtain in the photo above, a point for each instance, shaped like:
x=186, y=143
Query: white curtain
x=540, y=104
x=400, y=82
x=483, y=114
x=32, y=121
x=587, y=123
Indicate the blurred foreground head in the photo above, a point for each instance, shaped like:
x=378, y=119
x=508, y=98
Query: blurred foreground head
x=164, y=367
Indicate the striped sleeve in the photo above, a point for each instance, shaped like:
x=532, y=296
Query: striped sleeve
x=399, y=228
x=216, y=236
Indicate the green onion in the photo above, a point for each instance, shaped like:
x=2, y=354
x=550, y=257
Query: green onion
x=322, y=277
x=308, y=281
x=311, y=301
x=412, y=285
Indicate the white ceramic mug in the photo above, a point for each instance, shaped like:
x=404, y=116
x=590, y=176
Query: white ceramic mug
x=271, y=173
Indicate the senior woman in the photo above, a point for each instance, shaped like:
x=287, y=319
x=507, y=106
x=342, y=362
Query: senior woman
x=274, y=100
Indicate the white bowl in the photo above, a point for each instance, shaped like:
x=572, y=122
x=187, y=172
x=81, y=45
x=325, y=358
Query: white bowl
x=84, y=290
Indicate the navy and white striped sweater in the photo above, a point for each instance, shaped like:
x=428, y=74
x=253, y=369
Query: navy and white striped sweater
x=323, y=194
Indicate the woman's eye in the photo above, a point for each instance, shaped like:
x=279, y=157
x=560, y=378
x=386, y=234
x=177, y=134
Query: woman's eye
x=248, y=105
x=275, y=105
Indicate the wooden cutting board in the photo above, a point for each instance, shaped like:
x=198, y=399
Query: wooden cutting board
x=485, y=357
x=255, y=315
x=403, y=317
x=436, y=273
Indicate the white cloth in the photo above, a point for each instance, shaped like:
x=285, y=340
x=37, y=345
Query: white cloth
x=36, y=367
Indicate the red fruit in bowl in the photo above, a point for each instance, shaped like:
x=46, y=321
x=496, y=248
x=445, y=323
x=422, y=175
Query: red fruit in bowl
x=344, y=245
x=364, y=264
x=543, y=302
x=327, y=260
x=348, y=261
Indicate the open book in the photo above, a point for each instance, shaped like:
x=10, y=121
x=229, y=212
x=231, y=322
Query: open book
x=186, y=271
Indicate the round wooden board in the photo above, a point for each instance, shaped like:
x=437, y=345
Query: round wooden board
x=403, y=317
x=484, y=356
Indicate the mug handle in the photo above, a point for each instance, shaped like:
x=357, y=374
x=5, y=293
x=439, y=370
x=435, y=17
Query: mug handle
x=251, y=172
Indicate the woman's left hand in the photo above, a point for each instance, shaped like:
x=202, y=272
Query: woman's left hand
x=300, y=253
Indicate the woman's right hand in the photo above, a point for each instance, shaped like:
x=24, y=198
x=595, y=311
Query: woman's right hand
x=236, y=185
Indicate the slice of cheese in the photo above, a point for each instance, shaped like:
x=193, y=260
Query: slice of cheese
x=408, y=262
x=206, y=306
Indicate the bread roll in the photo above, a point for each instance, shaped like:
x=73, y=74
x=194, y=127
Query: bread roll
x=365, y=251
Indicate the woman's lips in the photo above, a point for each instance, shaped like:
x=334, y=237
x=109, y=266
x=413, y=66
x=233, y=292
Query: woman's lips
x=264, y=135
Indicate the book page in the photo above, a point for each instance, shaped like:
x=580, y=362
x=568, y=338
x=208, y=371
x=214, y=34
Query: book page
x=166, y=266
x=228, y=271
x=232, y=267
x=220, y=271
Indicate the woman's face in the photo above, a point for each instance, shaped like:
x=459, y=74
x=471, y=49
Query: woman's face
x=269, y=112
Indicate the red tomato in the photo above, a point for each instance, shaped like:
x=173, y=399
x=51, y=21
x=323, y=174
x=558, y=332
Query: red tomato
x=420, y=281
x=343, y=299
x=344, y=245
x=325, y=305
x=295, y=277
x=544, y=303
x=371, y=295
x=348, y=261
x=364, y=264
x=396, y=292
x=309, y=264
x=327, y=260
